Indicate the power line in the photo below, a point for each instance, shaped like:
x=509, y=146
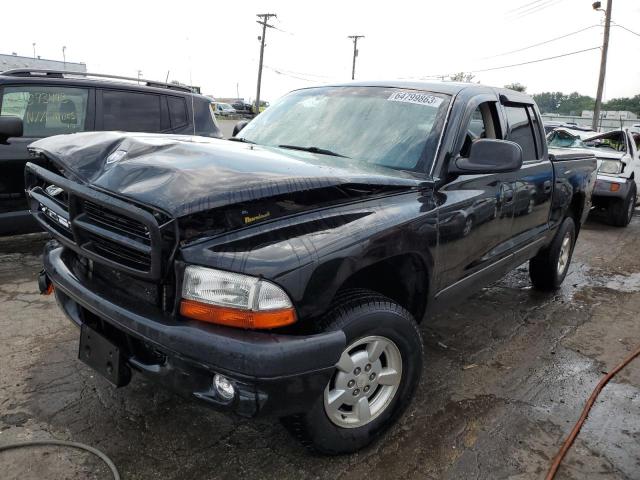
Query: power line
x=625, y=28
x=515, y=64
x=293, y=72
x=536, y=9
x=279, y=72
x=301, y=75
x=542, y=43
x=525, y=6
x=536, y=61
x=531, y=7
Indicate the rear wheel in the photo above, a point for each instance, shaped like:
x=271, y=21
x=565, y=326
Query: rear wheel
x=549, y=267
x=374, y=380
x=620, y=212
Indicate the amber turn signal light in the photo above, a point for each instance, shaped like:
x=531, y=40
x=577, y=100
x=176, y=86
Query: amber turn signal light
x=235, y=317
x=614, y=187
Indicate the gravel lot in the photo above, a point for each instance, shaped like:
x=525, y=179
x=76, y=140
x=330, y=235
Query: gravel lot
x=506, y=375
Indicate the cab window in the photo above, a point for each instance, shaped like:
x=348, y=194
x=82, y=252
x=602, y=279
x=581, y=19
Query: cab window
x=130, y=111
x=521, y=130
x=46, y=111
x=482, y=124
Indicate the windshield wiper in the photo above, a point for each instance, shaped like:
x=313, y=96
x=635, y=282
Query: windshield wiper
x=240, y=139
x=322, y=151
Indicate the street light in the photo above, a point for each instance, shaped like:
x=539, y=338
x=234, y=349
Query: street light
x=34, y=49
x=64, y=58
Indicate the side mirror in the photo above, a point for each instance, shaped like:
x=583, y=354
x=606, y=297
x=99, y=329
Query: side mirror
x=10, y=126
x=489, y=155
x=239, y=126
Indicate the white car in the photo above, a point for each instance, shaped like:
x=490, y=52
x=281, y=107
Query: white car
x=618, y=155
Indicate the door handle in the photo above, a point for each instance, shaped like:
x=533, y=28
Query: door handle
x=546, y=186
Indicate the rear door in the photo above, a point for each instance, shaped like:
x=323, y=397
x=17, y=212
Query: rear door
x=45, y=110
x=532, y=189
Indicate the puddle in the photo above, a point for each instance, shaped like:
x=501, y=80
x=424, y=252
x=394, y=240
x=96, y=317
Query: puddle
x=581, y=276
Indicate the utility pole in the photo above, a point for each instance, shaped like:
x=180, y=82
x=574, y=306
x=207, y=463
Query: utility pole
x=139, y=76
x=603, y=60
x=264, y=22
x=355, y=53
x=34, y=49
x=64, y=58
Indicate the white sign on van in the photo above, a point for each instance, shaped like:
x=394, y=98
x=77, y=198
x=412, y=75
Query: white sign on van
x=417, y=98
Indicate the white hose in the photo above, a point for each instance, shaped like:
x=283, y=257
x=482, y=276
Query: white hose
x=62, y=443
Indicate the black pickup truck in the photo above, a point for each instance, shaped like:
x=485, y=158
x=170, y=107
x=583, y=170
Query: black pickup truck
x=286, y=272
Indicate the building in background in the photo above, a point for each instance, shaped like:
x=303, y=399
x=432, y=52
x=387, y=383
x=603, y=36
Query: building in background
x=11, y=62
x=611, y=114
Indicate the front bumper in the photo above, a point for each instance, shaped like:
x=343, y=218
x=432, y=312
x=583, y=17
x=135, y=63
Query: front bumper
x=612, y=186
x=272, y=374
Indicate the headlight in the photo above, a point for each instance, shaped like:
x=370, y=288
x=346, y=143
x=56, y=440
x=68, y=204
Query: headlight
x=610, y=166
x=233, y=299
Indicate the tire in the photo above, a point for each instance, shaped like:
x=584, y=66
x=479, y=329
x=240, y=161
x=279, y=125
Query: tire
x=363, y=315
x=549, y=267
x=620, y=212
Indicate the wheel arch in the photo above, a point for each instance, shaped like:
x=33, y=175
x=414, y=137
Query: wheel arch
x=404, y=278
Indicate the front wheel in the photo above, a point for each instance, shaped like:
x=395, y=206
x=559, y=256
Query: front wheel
x=374, y=380
x=620, y=212
x=549, y=267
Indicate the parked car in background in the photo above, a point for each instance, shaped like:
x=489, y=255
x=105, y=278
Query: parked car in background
x=224, y=109
x=47, y=102
x=618, y=154
x=285, y=272
x=564, y=137
x=243, y=108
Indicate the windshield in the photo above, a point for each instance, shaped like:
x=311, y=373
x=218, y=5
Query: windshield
x=383, y=126
x=559, y=138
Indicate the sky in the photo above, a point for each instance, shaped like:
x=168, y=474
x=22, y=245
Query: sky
x=214, y=44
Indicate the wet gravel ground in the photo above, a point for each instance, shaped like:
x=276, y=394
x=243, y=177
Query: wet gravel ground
x=506, y=376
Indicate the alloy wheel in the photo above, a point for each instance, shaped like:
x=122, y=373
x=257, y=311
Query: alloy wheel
x=366, y=380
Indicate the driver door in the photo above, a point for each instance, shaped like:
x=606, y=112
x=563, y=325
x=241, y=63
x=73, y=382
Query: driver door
x=476, y=211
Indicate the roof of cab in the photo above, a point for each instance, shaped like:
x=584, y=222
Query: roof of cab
x=448, y=88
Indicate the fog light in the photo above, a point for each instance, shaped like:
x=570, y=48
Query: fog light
x=224, y=387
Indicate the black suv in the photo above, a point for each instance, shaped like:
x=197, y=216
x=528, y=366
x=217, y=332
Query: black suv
x=53, y=102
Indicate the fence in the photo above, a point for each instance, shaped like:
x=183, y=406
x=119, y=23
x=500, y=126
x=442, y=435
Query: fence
x=605, y=124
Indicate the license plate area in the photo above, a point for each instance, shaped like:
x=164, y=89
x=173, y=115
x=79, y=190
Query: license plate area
x=104, y=356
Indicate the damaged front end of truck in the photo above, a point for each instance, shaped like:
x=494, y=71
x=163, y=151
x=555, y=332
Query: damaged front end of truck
x=143, y=223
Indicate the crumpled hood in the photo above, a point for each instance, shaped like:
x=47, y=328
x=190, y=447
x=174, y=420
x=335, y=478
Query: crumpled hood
x=183, y=175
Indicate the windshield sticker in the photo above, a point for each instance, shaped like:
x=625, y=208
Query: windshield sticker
x=419, y=98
